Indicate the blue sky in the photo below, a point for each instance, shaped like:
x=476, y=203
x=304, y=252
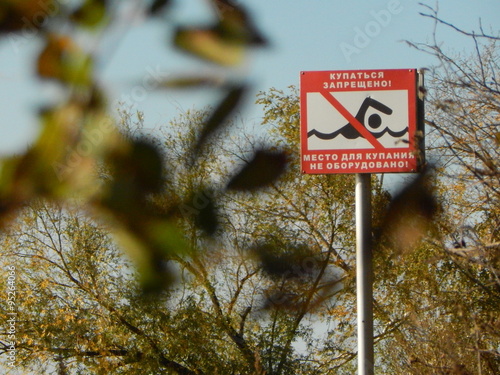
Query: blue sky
x=303, y=34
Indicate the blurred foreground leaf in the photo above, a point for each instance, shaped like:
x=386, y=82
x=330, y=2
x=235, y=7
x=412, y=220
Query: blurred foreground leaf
x=225, y=42
x=158, y=6
x=91, y=13
x=410, y=214
x=207, y=216
x=62, y=60
x=16, y=15
x=209, y=44
x=264, y=168
x=219, y=116
x=302, y=281
x=236, y=24
x=286, y=261
x=143, y=227
x=151, y=243
x=191, y=81
x=137, y=169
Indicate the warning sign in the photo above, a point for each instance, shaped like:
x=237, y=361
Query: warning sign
x=360, y=122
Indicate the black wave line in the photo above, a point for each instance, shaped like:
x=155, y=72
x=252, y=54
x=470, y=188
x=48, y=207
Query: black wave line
x=349, y=132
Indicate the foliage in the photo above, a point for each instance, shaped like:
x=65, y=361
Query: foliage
x=441, y=299
x=263, y=263
x=254, y=284
x=228, y=314
x=82, y=178
x=79, y=134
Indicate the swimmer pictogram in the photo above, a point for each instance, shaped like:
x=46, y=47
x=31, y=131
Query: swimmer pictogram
x=374, y=121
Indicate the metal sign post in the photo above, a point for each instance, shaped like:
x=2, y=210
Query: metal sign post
x=364, y=274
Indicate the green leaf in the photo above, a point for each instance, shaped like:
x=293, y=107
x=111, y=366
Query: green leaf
x=62, y=60
x=166, y=237
x=91, y=13
x=226, y=41
x=146, y=164
x=264, y=168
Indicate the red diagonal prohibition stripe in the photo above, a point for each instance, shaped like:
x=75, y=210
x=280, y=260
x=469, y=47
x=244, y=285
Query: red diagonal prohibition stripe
x=352, y=120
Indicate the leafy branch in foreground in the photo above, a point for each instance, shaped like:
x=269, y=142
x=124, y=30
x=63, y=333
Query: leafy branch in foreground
x=79, y=134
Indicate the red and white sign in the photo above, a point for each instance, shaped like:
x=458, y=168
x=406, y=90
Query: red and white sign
x=359, y=121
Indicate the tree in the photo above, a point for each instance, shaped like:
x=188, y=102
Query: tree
x=316, y=213
x=82, y=309
x=264, y=266
x=442, y=297
x=262, y=262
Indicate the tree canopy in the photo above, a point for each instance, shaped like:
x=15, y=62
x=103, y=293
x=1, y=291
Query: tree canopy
x=234, y=262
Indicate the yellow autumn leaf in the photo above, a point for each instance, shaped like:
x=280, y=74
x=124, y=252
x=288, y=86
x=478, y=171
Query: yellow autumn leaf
x=209, y=45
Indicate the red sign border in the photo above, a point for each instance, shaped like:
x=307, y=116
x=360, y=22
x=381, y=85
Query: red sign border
x=371, y=160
